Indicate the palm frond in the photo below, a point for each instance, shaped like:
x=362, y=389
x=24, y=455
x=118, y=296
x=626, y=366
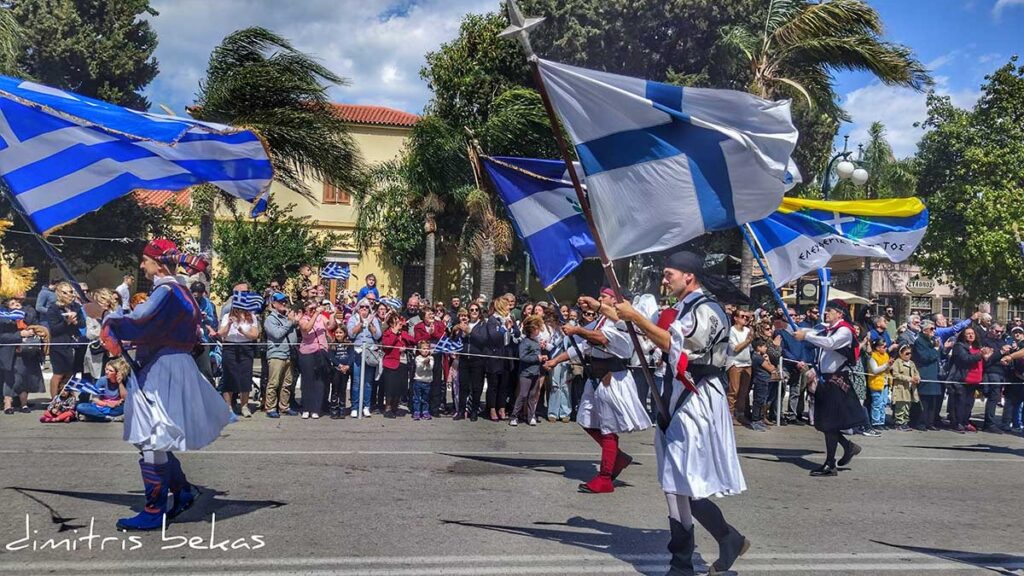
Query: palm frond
x=780, y=12
x=11, y=39
x=739, y=39
x=835, y=18
x=893, y=64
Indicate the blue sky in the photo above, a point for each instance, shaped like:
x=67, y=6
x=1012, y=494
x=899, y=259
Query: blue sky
x=380, y=46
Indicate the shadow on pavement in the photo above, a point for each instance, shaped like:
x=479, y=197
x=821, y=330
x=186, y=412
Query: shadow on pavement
x=209, y=502
x=794, y=456
x=632, y=545
x=980, y=448
x=987, y=561
x=579, y=470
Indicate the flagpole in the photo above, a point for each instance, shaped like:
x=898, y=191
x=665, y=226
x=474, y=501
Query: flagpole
x=606, y=264
x=755, y=247
x=48, y=248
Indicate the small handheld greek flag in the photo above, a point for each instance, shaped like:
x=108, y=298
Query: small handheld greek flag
x=394, y=303
x=336, y=271
x=446, y=346
x=12, y=315
x=64, y=155
x=79, y=386
x=248, y=301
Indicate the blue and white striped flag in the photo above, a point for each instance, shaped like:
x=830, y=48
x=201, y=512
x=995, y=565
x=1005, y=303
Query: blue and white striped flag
x=545, y=213
x=394, y=303
x=248, y=301
x=78, y=386
x=336, y=271
x=446, y=346
x=65, y=155
x=665, y=164
x=12, y=315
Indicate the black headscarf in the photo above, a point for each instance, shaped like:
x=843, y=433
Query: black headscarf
x=717, y=284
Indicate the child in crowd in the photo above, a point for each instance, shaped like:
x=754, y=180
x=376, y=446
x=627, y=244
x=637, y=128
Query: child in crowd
x=108, y=405
x=761, y=375
x=905, y=379
x=421, y=381
x=531, y=357
x=878, y=382
x=61, y=408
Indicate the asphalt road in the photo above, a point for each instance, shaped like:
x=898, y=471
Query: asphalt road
x=378, y=497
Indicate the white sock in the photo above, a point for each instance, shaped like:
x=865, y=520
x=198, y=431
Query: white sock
x=679, y=509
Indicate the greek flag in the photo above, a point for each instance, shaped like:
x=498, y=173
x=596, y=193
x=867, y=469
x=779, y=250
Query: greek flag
x=666, y=164
x=65, y=155
x=336, y=271
x=803, y=235
x=393, y=303
x=446, y=346
x=78, y=386
x=545, y=214
x=247, y=301
x=12, y=315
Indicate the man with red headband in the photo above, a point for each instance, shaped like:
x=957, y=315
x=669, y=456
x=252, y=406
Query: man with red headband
x=610, y=405
x=695, y=447
x=170, y=405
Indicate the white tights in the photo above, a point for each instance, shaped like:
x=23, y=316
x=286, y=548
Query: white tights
x=158, y=457
x=679, y=509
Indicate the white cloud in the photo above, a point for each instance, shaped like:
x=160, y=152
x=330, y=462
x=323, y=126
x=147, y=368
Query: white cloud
x=1001, y=5
x=898, y=109
x=378, y=45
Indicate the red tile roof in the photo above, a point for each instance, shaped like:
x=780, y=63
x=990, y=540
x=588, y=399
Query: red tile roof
x=376, y=115
x=160, y=198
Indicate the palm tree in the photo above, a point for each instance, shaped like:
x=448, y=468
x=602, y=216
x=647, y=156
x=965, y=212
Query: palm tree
x=10, y=42
x=256, y=79
x=802, y=43
x=891, y=177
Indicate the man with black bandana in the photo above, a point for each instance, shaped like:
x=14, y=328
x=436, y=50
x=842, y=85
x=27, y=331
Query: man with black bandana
x=696, y=448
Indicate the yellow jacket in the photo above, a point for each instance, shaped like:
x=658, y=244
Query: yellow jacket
x=878, y=371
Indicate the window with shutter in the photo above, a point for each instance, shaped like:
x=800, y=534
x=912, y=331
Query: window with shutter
x=335, y=195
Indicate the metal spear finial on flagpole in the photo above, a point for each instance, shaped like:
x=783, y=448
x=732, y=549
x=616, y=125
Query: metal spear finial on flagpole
x=520, y=27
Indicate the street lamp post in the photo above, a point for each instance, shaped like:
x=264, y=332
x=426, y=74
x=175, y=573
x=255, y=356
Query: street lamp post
x=846, y=169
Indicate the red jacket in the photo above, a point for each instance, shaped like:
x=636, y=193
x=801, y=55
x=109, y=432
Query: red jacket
x=391, y=343
x=432, y=335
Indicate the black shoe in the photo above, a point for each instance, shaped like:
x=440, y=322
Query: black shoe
x=729, y=550
x=336, y=416
x=681, y=545
x=459, y=416
x=473, y=418
x=825, y=470
x=849, y=454
x=990, y=429
x=389, y=414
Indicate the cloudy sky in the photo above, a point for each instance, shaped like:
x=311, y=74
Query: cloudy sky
x=379, y=45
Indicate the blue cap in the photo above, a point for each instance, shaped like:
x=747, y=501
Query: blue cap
x=278, y=297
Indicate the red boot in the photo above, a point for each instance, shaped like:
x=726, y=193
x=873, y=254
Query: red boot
x=622, y=460
x=602, y=483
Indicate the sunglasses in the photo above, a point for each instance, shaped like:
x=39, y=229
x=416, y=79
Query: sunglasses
x=474, y=309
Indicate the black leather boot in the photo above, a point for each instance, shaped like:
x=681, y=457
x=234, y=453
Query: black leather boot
x=681, y=546
x=731, y=544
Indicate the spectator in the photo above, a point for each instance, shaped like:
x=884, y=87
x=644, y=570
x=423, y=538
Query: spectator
x=364, y=330
x=11, y=333
x=377, y=390
x=858, y=378
x=124, y=290
x=473, y=331
x=208, y=327
x=965, y=375
x=905, y=379
x=370, y=288
x=738, y=366
x=925, y=355
x=394, y=378
x=881, y=332
x=239, y=329
x=108, y=406
x=314, y=364
x=761, y=373
x=138, y=298
x=64, y=318
x=28, y=358
x=61, y=407
x=47, y=296
x=1014, y=401
x=280, y=327
x=531, y=357
x=908, y=336
x=423, y=379
x=890, y=324
x=559, y=399
x=96, y=357
x=995, y=374
x=878, y=381
x=502, y=336
x=341, y=364
x=796, y=359
x=431, y=330
x=453, y=310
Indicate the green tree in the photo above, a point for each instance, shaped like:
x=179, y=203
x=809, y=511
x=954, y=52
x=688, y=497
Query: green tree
x=799, y=44
x=11, y=38
x=99, y=48
x=256, y=79
x=971, y=177
x=271, y=247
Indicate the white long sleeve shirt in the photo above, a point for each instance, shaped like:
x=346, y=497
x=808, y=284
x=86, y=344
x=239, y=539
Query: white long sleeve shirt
x=829, y=360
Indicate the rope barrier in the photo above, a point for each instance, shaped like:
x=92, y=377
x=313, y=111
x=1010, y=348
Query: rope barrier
x=932, y=381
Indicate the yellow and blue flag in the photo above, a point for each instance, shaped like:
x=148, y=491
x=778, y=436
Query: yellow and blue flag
x=803, y=235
